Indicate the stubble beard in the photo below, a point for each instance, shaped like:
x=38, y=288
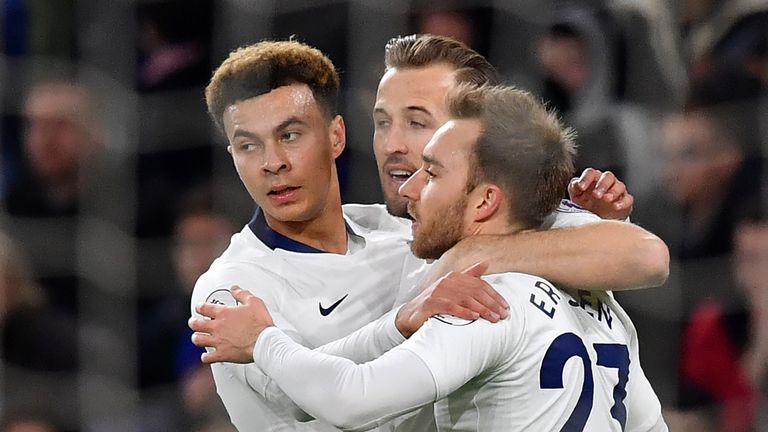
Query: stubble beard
x=441, y=233
x=397, y=206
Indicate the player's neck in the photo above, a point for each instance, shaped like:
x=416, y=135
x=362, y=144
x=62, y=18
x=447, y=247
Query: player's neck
x=496, y=225
x=326, y=231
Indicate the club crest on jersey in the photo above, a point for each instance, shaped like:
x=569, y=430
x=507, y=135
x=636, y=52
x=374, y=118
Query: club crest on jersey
x=222, y=297
x=453, y=320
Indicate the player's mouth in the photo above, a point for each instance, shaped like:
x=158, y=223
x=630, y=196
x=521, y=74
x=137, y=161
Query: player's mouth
x=401, y=174
x=283, y=194
x=397, y=169
x=398, y=176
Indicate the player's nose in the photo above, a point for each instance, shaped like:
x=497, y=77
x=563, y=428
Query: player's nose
x=411, y=189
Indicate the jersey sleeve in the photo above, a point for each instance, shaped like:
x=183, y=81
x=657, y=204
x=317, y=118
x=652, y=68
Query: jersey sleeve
x=259, y=382
x=438, y=359
x=365, y=344
x=369, y=342
x=340, y=392
x=214, y=287
x=569, y=215
x=269, y=390
x=643, y=406
x=456, y=350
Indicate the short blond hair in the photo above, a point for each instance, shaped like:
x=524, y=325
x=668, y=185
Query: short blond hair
x=523, y=148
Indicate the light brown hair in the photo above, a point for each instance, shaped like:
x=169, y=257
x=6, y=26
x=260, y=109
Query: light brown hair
x=523, y=149
x=421, y=50
x=256, y=69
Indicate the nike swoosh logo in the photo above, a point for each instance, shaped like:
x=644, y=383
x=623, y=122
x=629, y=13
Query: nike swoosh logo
x=327, y=311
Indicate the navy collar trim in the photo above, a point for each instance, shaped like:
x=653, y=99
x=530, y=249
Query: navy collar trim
x=274, y=240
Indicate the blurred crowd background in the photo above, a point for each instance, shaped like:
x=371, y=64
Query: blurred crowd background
x=116, y=192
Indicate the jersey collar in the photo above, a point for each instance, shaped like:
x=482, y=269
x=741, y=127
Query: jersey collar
x=274, y=240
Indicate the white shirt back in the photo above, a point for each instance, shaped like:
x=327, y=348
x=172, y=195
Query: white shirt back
x=562, y=361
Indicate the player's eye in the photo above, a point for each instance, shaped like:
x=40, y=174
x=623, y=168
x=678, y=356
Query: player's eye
x=290, y=136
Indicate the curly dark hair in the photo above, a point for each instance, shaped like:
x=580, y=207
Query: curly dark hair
x=256, y=69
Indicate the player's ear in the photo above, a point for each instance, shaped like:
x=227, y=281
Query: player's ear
x=486, y=200
x=338, y=136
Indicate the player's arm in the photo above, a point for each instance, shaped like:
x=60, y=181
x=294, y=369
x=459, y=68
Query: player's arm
x=213, y=290
x=229, y=332
x=360, y=396
x=605, y=255
x=605, y=195
x=339, y=391
x=602, y=255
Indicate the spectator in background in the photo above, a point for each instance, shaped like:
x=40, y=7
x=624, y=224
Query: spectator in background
x=724, y=352
x=61, y=134
x=562, y=53
x=454, y=24
x=202, y=234
x=39, y=349
x=709, y=174
x=728, y=47
x=726, y=43
x=168, y=357
x=576, y=60
x=63, y=148
x=710, y=181
x=469, y=23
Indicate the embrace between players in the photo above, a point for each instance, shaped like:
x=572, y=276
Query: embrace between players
x=340, y=317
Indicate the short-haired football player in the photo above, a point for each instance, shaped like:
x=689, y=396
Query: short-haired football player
x=325, y=271
x=564, y=359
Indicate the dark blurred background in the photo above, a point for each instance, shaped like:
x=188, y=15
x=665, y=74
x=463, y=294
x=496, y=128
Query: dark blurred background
x=116, y=192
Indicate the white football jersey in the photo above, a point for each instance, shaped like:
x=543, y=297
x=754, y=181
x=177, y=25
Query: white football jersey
x=319, y=297
x=561, y=361
x=564, y=361
x=316, y=297
x=568, y=214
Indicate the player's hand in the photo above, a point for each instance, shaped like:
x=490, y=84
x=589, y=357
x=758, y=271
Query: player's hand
x=601, y=193
x=231, y=330
x=463, y=295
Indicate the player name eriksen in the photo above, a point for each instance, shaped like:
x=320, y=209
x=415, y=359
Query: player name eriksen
x=585, y=300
